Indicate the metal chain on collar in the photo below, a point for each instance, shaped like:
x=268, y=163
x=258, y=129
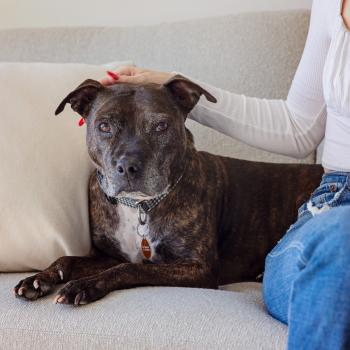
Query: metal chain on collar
x=143, y=206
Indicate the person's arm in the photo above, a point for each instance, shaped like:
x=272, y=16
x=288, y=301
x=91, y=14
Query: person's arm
x=292, y=127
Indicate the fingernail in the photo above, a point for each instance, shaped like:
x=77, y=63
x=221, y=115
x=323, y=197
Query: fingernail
x=81, y=122
x=113, y=75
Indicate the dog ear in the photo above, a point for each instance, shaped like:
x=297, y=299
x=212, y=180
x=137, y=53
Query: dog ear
x=186, y=92
x=81, y=98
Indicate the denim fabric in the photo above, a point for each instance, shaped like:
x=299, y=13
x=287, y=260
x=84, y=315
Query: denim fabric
x=307, y=274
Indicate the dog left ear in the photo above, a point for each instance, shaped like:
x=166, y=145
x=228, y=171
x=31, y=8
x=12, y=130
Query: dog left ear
x=81, y=98
x=186, y=92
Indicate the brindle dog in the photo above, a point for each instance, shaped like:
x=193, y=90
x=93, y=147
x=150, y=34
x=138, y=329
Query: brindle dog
x=217, y=221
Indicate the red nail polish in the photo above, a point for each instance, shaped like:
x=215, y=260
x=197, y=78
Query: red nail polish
x=113, y=75
x=81, y=122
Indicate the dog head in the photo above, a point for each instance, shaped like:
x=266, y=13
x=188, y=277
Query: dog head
x=136, y=133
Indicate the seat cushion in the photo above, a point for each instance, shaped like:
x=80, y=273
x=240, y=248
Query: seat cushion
x=142, y=318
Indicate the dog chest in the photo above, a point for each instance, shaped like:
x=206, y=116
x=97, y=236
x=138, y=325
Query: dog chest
x=129, y=234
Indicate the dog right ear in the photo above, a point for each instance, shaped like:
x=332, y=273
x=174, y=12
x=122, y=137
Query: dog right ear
x=82, y=98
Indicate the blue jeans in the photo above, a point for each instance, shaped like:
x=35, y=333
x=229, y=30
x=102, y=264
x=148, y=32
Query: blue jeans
x=307, y=274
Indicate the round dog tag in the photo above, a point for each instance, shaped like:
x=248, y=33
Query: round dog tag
x=146, y=249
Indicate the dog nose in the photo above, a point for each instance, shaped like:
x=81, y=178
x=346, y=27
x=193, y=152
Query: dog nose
x=128, y=167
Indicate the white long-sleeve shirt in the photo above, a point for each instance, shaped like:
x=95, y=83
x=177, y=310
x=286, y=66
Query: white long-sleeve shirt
x=317, y=106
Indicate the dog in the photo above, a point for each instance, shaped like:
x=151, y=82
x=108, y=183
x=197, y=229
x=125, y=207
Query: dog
x=161, y=212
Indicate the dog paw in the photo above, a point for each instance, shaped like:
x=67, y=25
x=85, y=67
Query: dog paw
x=34, y=287
x=80, y=292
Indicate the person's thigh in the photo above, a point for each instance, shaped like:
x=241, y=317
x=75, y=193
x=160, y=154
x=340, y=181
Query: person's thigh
x=285, y=262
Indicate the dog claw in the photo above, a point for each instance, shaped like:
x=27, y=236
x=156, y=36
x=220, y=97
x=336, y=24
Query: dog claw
x=20, y=291
x=60, y=299
x=78, y=298
x=55, y=301
x=60, y=274
x=36, y=284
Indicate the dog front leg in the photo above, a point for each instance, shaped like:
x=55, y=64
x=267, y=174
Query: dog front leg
x=128, y=275
x=195, y=275
x=62, y=270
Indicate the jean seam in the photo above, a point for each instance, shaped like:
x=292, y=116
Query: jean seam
x=302, y=259
x=297, y=245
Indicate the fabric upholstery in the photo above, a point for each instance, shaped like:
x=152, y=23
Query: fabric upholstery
x=142, y=318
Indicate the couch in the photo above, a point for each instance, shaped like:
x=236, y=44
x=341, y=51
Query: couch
x=254, y=54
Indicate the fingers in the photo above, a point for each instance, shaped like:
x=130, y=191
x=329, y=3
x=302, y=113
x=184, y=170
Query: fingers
x=110, y=79
x=135, y=79
x=134, y=75
x=107, y=81
x=112, y=75
x=128, y=70
x=114, y=78
x=122, y=75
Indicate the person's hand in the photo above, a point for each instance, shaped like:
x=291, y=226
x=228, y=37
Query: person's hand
x=136, y=75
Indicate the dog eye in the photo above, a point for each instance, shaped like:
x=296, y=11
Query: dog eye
x=162, y=126
x=104, y=127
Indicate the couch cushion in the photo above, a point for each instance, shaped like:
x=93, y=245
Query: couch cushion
x=44, y=166
x=142, y=318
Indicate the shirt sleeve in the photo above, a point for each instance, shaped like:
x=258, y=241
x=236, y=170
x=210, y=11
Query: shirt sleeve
x=292, y=127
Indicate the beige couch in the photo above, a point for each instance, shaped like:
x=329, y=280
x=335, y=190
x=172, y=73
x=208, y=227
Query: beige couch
x=255, y=54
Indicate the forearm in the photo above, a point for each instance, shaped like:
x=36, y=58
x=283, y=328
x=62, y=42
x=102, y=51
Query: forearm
x=271, y=125
x=293, y=127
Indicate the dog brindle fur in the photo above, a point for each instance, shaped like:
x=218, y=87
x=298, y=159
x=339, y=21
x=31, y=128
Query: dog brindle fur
x=215, y=227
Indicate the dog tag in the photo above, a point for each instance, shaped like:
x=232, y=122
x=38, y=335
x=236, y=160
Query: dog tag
x=146, y=249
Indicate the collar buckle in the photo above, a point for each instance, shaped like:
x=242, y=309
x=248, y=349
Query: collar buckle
x=142, y=214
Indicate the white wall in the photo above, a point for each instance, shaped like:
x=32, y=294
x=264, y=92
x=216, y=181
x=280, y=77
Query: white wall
x=38, y=13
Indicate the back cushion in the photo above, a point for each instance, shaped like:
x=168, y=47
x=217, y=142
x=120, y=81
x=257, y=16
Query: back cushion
x=44, y=166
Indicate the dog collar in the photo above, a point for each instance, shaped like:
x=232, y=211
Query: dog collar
x=144, y=206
